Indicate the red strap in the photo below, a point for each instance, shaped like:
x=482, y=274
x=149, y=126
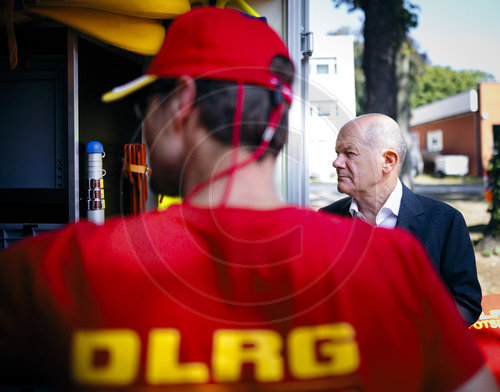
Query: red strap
x=274, y=119
x=238, y=113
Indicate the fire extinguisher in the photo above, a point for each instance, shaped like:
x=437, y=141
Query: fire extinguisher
x=95, y=182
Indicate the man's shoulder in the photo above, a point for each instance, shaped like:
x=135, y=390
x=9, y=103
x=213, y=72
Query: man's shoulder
x=373, y=237
x=430, y=205
x=84, y=235
x=338, y=207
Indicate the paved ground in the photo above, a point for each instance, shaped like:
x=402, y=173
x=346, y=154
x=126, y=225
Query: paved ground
x=467, y=197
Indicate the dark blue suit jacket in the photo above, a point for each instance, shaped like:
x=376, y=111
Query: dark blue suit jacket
x=443, y=231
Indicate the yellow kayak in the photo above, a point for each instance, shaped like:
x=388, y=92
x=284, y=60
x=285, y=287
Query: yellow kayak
x=153, y=9
x=139, y=35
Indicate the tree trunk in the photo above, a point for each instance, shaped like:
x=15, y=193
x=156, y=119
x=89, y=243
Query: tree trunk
x=382, y=34
x=404, y=112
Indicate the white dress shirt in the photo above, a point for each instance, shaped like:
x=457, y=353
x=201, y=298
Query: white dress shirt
x=388, y=214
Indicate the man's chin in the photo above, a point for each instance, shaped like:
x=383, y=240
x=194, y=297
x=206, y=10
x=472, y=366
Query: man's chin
x=342, y=188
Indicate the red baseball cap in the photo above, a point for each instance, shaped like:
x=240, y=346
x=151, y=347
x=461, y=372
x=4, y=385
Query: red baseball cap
x=214, y=43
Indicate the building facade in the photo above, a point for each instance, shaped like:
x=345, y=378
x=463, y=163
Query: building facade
x=332, y=100
x=463, y=124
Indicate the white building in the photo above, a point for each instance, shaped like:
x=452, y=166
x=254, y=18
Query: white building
x=332, y=100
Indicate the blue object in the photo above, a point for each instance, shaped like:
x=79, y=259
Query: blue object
x=94, y=148
x=262, y=18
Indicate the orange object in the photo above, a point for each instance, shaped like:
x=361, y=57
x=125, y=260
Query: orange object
x=488, y=195
x=136, y=170
x=486, y=331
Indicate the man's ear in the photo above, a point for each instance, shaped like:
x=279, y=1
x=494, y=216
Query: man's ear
x=184, y=99
x=391, y=160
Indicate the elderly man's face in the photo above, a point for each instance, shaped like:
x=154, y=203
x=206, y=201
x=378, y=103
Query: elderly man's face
x=358, y=161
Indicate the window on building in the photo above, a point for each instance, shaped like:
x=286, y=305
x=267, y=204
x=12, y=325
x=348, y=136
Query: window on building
x=434, y=140
x=324, y=109
x=322, y=69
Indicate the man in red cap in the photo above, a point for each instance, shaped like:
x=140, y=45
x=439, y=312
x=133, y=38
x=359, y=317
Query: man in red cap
x=230, y=290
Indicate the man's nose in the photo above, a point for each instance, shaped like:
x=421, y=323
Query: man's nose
x=338, y=162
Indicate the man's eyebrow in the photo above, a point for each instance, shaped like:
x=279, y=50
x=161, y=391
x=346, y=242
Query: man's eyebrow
x=345, y=145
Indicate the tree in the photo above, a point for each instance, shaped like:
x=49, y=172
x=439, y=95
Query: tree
x=438, y=82
x=427, y=83
x=385, y=67
x=386, y=25
x=490, y=242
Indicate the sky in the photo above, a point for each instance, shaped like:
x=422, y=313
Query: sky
x=461, y=34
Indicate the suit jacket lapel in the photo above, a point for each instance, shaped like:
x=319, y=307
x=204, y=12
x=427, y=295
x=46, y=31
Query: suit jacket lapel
x=346, y=204
x=409, y=210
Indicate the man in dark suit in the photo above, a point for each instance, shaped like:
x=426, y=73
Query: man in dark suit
x=370, y=153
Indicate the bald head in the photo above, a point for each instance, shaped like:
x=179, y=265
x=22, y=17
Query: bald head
x=379, y=131
x=370, y=152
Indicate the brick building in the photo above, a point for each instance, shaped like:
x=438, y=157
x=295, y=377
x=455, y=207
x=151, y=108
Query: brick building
x=462, y=124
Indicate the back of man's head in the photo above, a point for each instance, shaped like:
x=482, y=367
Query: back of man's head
x=222, y=49
x=218, y=101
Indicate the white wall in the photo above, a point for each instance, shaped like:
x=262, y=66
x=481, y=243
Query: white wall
x=332, y=100
x=337, y=53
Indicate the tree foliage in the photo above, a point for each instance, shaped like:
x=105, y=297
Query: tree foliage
x=359, y=78
x=490, y=243
x=428, y=83
x=494, y=169
x=438, y=82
